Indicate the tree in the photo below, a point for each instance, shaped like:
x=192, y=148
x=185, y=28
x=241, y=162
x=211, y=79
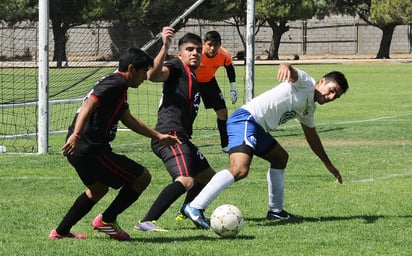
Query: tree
x=63, y=16
x=386, y=15
x=277, y=13
x=16, y=11
x=383, y=14
x=136, y=22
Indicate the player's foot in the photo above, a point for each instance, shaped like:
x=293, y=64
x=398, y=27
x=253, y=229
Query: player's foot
x=225, y=149
x=196, y=215
x=53, y=235
x=282, y=215
x=149, y=226
x=181, y=214
x=111, y=229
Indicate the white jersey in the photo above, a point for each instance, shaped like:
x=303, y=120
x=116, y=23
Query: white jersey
x=284, y=102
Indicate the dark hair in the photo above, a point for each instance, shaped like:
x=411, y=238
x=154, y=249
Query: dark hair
x=190, y=38
x=137, y=57
x=338, y=78
x=213, y=36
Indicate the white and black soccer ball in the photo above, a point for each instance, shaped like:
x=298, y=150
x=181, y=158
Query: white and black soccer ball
x=226, y=220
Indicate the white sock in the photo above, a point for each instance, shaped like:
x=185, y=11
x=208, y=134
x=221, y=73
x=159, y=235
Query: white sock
x=276, y=187
x=219, y=181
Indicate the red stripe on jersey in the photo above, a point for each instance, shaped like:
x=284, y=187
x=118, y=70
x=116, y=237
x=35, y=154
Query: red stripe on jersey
x=114, y=168
x=95, y=97
x=190, y=84
x=118, y=107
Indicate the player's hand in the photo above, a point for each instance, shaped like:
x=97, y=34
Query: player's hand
x=332, y=169
x=70, y=146
x=284, y=72
x=169, y=140
x=167, y=35
x=233, y=92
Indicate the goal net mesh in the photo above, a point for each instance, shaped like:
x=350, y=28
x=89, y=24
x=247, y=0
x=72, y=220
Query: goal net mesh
x=90, y=56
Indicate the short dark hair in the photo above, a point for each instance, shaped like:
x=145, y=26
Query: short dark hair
x=339, y=78
x=213, y=36
x=190, y=38
x=137, y=57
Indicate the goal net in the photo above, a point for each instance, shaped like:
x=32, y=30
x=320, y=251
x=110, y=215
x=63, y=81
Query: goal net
x=90, y=56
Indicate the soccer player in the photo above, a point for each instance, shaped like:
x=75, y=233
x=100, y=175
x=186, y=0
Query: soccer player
x=88, y=149
x=213, y=57
x=179, y=105
x=248, y=130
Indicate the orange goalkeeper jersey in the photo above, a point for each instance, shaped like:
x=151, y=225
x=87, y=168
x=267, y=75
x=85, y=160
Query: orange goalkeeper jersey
x=207, y=69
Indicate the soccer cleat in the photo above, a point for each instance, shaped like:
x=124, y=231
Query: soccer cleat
x=111, y=229
x=53, y=235
x=282, y=215
x=196, y=215
x=149, y=226
x=180, y=216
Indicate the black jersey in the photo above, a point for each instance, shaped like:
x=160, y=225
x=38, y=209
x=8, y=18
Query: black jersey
x=180, y=100
x=111, y=93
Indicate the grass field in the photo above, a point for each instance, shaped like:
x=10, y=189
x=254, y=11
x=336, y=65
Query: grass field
x=367, y=134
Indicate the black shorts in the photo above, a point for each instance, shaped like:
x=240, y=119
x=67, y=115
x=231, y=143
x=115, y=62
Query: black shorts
x=109, y=168
x=212, y=96
x=182, y=159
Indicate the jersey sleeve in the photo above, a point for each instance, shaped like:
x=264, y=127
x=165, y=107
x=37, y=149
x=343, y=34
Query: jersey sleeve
x=174, y=69
x=108, y=88
x=304, y=79
x=308, y=120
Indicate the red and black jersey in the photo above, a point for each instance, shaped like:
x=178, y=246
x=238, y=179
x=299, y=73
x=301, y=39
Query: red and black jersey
x=180, y=100
x=111, y=93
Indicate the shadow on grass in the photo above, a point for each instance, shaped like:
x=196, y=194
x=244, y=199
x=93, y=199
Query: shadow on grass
x=368, y=219
x=168, y=239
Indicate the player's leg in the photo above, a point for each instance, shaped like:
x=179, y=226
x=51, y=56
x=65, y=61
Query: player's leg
x=221, y=125
x=118, y=171
x=203, y=172
x=179, y=162
x=278, y=158
x=85, y=202
x=241, y=153
x=212, y=97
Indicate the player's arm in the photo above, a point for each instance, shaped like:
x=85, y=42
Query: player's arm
x=315, y=144
x=159, y=72
x=231, y=74
x=82, y=117
x=139, y=127
x=287, y=73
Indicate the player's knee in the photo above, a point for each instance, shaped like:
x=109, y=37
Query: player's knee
x=280, y=162
x=96, y=191
x=239, y=172
x=142, y=182
x=145, y=179
x=186, y=181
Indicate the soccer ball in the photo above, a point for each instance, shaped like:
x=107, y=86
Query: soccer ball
x=226, y=220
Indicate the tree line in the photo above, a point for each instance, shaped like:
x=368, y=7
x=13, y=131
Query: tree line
x=137, y=21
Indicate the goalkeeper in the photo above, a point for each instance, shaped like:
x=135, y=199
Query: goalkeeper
x=213, y=57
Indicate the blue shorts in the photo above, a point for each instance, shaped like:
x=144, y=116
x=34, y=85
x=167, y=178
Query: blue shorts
x=247, y=136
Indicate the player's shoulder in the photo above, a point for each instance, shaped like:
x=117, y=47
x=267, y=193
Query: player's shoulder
x=224, y=51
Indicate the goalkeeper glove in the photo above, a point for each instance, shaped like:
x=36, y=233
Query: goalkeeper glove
x=233, y=92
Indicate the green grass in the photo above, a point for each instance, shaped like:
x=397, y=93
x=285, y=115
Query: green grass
x=367, y=134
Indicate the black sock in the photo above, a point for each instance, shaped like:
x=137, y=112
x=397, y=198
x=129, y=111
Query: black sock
x=193, y=192
x=221, y=125
x=80, y=208
x=169, y=194
x=126, y=197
